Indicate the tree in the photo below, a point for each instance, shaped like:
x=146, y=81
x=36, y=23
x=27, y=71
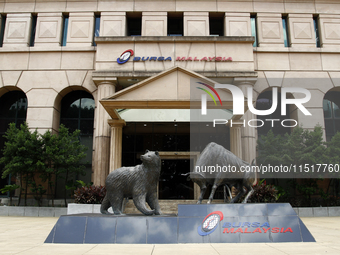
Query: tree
x=21, y=155
x=68, y=161
x=300, y=147
x=29, y=155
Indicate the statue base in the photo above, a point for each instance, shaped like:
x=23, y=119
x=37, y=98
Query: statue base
x=205, y=223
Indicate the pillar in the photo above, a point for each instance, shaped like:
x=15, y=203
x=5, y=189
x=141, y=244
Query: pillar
x=235, y=140
x=248, y=134
x=116, y=143
x=101, y=161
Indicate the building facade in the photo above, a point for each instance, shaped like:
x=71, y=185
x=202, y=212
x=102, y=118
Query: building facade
x=120, y=72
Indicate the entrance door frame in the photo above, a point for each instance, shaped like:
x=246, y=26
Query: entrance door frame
x=183, y=155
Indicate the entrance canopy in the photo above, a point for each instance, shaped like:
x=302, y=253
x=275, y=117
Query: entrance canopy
x=167, y=90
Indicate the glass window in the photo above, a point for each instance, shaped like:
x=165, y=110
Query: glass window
x=175, y=24
x=96, y=27
x=134, y=25
x=316, y=29
x=65, y=27
x=216, y=24
x=33, y=29
x=2, y=29
x=13, y=107
x=77, y=112
x=253, y=29
x=285, y=31
x=331, y=111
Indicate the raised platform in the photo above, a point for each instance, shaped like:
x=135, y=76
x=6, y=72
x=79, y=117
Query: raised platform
x=213, y=223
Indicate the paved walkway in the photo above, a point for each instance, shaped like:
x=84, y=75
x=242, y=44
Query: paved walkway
x=26, y=235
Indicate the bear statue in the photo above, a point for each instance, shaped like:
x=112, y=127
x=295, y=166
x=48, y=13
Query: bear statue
x=139, y=182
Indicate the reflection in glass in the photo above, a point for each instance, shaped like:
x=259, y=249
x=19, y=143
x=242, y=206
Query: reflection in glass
x=77, y=112
x=331, y=112
x=13, y=107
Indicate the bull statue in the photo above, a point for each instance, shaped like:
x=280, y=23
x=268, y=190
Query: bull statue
x=218, y=166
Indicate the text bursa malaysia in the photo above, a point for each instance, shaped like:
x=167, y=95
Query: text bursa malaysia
x=306, y=168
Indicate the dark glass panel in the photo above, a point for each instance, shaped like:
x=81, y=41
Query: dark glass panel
x=336, y=111
x=216, y=26
x=87, y=108
x=134, y=26
x=86, y=127
x=71, y=124
x=172, y=184
x=327, y=110
x=12, y=103
x=254, y=29
x=87, y=140
x=175, y=26
x=129, y=142
x=128, y=159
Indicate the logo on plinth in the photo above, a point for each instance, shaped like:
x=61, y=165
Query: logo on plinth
x=210, y=223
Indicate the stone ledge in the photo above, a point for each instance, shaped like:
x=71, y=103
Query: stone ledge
x=160, y=39
x=29, y=211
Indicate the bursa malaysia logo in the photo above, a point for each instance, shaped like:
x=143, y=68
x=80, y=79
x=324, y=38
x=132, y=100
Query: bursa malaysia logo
x=126, y=55
x=210, y=223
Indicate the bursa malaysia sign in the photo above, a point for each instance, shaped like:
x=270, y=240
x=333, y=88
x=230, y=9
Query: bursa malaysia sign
x=126, y=56
x=211, y=221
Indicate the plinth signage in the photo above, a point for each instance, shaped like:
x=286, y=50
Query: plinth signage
x=203, y=223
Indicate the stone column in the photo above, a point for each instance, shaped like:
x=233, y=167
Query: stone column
x=235, y=140
x=116, y=143
x=235, y=147
x=106, y=87
x=248, y=134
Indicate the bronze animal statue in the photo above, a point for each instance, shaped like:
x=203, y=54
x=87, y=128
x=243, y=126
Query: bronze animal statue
x=139, y=182
x=215, y=155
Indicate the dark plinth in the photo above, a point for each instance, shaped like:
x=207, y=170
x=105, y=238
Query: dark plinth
x=241, y=223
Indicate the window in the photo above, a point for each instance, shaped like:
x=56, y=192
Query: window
x=175, y=24
x=216, y=24
x=316, y=29
x=65, y=26
x=264, y=102
x=134, y=24
x=96, y=27
x=13, y=107
x=285, y=31
x=77, y=112
x=331, y=111
x=33, y=29
x=2, y=28
x=253, y=29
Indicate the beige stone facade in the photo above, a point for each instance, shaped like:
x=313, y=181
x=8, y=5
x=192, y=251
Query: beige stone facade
x=48, y=71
